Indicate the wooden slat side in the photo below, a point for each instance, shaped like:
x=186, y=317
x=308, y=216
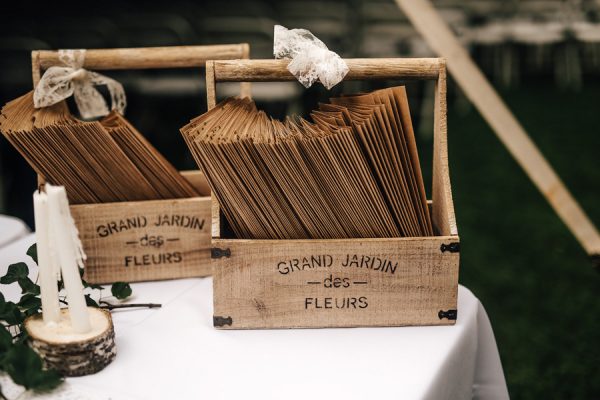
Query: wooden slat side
x=211, y=97
x=145, y=240
x=334, y=283
x=216, y=218
x=443, y=208
x=35, y=67
x=245, y=87
x=211, y=101
x=36, y=76
x=198, y=181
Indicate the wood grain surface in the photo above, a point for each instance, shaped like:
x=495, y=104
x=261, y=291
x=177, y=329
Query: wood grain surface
x=359, y=69
x=334, y=283
x=145, y=240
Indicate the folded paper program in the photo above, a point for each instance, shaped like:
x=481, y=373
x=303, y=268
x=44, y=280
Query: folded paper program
x=59, y=83
x=311, y=60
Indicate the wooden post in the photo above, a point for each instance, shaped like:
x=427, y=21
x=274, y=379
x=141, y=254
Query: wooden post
x=245, y=88
x=478, y=89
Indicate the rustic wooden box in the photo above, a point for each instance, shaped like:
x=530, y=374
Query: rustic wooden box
x=346, y=282
x=154, y=239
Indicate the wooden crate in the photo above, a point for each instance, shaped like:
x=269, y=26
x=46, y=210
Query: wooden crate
x=345, y=282
x=154, y=239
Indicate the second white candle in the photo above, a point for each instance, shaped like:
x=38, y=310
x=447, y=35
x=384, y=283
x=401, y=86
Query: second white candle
x=60, y=226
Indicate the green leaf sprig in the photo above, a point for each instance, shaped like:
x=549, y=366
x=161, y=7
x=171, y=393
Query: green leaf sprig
x=17, y=359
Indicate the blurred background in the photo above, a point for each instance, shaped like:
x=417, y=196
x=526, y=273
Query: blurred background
x=543, y=56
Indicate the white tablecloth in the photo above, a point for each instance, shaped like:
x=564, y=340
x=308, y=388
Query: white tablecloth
x=11, y=229
x=174, y=352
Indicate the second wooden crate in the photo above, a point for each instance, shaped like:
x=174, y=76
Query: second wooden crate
x=155, y=239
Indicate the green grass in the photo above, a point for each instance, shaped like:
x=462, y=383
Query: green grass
x=517, y=256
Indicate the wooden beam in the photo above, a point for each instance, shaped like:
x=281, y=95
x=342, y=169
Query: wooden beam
x=478, y=89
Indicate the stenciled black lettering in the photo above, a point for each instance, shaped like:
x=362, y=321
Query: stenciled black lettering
x=177, y=220
x=362, y=302
x=346, y=263
x=379, y=264
x=102, y=231
x=132, y=223
x=198, y=224
x=392, y=268
x=283, y=268
x=307, y=302
x=315, y=261
x=295, y=264
x=177, y=257
x=306, y=263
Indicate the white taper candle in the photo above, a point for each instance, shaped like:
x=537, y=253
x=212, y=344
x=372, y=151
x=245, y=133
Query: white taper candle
x=48, y=281
x=64, y=231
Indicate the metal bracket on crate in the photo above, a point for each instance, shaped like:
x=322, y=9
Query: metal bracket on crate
x=219, y=321
x=216, y=252
x=450, y=314
x=453, y=247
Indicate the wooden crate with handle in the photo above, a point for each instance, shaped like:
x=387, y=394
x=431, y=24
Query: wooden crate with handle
x=341, y=282
x=153, y=239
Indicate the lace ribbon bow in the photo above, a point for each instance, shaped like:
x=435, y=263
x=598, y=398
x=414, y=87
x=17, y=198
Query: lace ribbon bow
x=58, y=83
x=311, y=60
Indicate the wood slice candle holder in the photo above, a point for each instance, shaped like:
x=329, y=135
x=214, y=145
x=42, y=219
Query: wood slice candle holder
x=71, y=353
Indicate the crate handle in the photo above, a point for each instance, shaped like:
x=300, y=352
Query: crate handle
x=143, y=57
x=359, y=69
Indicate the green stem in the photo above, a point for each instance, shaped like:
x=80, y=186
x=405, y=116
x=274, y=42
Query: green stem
x=110, y=306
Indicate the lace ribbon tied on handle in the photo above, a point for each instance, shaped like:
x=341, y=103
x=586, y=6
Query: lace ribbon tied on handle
x=311, y=59
x=59, y=83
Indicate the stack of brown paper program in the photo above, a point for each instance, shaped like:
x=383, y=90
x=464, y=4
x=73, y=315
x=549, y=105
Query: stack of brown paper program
x=353, y=172
x=98, y=162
